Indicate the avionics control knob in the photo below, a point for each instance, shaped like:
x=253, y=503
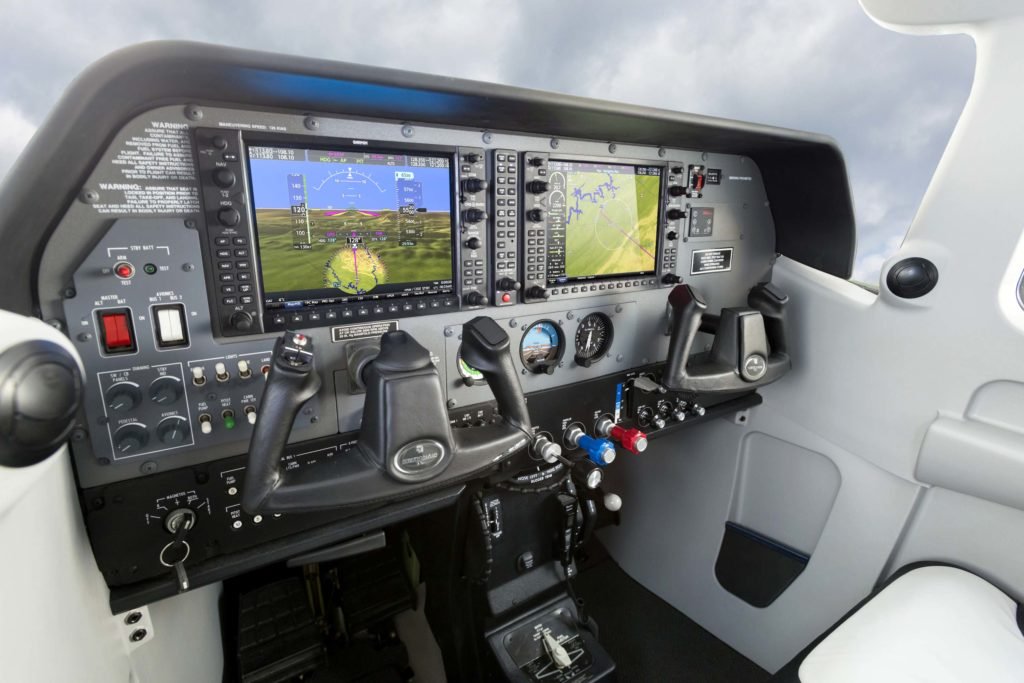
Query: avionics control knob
x=473, y=215
x=472, y=158
x=131, y=438
x=123, y=396
x=474, y=185
x=672, y=235
x=476, y=299
x=675, y=214
x=676, y=190
x=537, y=186
x=507, y=284
x=536, y=161
x=165, y=390
x=229, y=216
x=538, y=292
x=474, y=243
x=223, y=177
x=671, y=279
x=241, y=321
x=535, y=215
x=172, y=431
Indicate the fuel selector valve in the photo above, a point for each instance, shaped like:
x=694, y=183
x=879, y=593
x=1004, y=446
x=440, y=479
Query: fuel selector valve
x=633, y=440
x=600, y=451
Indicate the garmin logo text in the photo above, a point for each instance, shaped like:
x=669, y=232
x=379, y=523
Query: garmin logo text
x=741, y=177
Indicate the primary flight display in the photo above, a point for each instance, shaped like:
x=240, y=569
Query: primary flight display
x=351, y=223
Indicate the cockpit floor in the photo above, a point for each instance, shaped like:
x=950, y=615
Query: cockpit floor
x=652, y=641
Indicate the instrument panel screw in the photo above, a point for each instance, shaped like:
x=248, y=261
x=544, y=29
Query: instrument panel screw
x=311, y=123
x=89, y=196
x=570, y=315
x=513, y=323
x=84, y=336
x=69, y=293
x=191, y=224
x=148, y=467
x=188, y=267
x=618, y=358
x=448, y=331
x=452, y=403
x=554, y=143
x=138, y=634
x=408, y=131
x=612, y=147
x=703, y=156
x=487, y=137
x=78, y=434
x=193, y=112
x=133, y=618
x=662, y=151
x=523, y=371
x=618, y=308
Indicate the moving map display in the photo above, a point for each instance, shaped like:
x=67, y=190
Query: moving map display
x=342, y=224
x=602, y=220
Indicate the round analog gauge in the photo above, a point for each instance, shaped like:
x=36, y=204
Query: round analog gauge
x=542, y=347
x=593, y=338
x=470, y=375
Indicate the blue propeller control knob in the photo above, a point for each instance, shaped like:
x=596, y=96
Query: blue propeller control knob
x=600, y=451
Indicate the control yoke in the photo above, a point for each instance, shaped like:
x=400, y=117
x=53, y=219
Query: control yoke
x=405, y=437
x=749, y=350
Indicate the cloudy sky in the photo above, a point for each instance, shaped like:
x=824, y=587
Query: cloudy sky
x=820, y=65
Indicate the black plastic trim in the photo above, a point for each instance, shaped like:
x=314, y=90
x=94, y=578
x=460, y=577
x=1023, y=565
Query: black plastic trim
x=226, y=566
x=804, y=173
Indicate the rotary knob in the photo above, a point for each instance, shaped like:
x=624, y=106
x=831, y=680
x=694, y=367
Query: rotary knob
x=473, y=216
x=476, y=299
x=223, y=177
x=123, y=396
x=537, y=186
x=535, y=215
x=474, y=243
x=672, y=235
x=675, y=214
x=671, y=279
x=474, y=185
x=229, y=216
x=165, y=390
x=241, y=320
x=507, y=284
x=131, y=438
x=676, y=190
x=538, y=292
x=173, y=431
x=536, y=161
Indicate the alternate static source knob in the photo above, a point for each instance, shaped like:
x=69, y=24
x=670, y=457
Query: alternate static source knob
x=474, y=243
x=676, y=190
x=473, y=215
x=241, y=321
x=474, y=185
x=507, y=284
x=535, y=215
x=537, y=186
x=476, y=299
x=538, y=292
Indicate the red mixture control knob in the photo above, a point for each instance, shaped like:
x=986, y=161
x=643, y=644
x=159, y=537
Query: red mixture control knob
x=633, y=440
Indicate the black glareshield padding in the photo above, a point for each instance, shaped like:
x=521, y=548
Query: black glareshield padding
x=750, y=348
x=486, y=347
x=405, y=407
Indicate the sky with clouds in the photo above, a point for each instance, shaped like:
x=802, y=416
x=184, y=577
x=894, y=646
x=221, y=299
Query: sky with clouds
x=890, y=100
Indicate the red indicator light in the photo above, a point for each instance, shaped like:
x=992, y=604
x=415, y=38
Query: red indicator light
x=124, y=270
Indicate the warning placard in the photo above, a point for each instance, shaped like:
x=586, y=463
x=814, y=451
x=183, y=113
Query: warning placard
x=711, y=261
x=363, y=330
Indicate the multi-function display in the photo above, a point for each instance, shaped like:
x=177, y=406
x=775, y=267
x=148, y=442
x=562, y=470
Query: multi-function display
x=602, y=220
x=338, y=225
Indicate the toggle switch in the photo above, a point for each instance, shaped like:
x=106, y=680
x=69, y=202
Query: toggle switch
x=221, y=371
x=244, y=371
x=198, y=375
x=205, y=423
x=250, y=414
